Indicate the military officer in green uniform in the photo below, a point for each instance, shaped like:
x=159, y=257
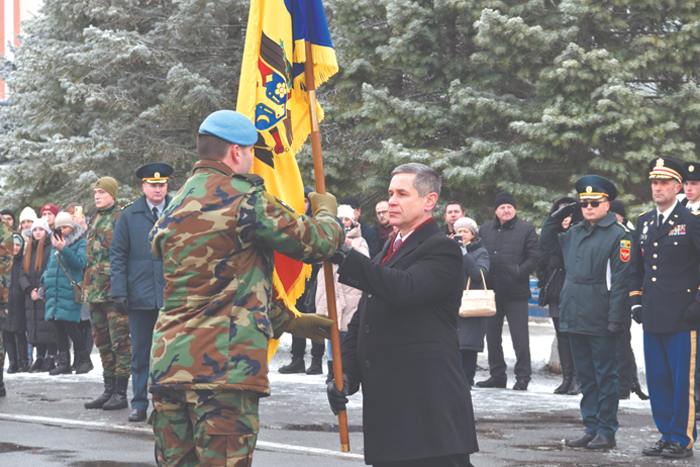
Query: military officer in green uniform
x=217, y=239
x=6, y=255
x=109, y=328
x=593, y=301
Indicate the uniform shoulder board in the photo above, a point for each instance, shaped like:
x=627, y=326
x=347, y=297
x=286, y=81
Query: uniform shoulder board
x=275, y=200
x=127, y=205
x=695, y=213
x=624, y=227
x=645, y=212
x=256, y=180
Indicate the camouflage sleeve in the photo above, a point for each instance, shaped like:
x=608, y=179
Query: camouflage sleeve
x=264, y=219
x=6, y=254
x=280, y=316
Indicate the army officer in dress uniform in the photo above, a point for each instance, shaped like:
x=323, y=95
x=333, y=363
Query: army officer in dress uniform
x=593, y=303
x=664, y=294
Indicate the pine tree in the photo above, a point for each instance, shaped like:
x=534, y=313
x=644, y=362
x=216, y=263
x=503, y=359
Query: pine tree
x=100, y=88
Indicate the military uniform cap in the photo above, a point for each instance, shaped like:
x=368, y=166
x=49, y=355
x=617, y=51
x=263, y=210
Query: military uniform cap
x=664, y=168
x=692, y=171
x=595, y=187
x=230, y=126
x=155, y=172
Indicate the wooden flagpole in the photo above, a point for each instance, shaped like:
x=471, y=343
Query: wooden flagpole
x=327, y=266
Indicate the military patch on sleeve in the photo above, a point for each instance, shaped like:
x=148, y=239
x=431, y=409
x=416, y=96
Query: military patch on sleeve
x=625, y=247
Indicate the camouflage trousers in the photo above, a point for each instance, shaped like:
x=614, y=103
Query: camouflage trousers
x=205, y=428
x=110, y=330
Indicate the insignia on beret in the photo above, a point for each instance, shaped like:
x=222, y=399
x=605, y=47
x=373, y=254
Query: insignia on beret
x=691, y=168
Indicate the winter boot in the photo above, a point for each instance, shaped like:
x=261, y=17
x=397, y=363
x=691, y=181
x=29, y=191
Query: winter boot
x=118, y=399
x=575, y=388
x=315, y=368
x=13, y=367
x=104, y=397
x=83, y=362
x=23, y=366
x=37, y=365
x=329, y=378
x=297, y=366
x=62, y=365
x=49, y=363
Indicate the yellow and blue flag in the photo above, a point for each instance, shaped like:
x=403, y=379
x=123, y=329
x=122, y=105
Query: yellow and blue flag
x=272, y=92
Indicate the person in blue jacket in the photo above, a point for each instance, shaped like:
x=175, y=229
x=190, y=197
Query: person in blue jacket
x=137, y=276
x=66, y=263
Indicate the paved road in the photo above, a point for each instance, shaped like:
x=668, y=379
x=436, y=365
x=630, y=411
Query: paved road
x=43, y=423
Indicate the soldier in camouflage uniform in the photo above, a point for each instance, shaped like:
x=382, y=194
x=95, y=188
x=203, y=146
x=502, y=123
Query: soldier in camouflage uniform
x=109, y=328
x=217, y=239
x=7, y=247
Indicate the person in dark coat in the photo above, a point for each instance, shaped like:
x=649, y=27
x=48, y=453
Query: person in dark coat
x=476, y=266
x=402, y=346
x=137, y=276
x=66, y=265
x=40, y=333
x=514, y=253
x=550, y=280
x=14, y=329
x=593, y=301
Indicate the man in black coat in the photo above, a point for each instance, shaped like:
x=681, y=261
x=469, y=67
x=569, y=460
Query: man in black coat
x=514, y=253
x=137, y=280
x=402, y=345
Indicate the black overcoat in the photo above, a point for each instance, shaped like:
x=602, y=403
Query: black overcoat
x=39, y=331
x=402, y=347
x=16, y=319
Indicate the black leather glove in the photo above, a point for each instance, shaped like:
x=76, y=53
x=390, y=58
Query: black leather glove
x=340, y=254
x=637, y=313
x=122, y=305
x=338, y=399
x=614, y=329
x=564, y=211
x=692, y=314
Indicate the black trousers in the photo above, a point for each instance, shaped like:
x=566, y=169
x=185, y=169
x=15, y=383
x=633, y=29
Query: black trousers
x=66, y=329
x=626, y=364
x=516, y=311
x=455, y=460
x=15, y=344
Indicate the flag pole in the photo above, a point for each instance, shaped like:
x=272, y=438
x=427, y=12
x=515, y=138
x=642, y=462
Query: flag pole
x=327, y=266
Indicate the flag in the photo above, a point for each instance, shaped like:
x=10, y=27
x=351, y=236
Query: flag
x=272, y=93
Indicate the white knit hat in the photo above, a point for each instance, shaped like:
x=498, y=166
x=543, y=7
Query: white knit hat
x=27, y=214
x=41, y=223
x=63, y=219
x=345, y=210
x=468, y=223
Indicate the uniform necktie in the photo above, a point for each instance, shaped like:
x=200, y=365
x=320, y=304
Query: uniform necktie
x=661, y=219
x=155, y=213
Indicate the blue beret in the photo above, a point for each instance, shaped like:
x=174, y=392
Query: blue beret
x=230, y=126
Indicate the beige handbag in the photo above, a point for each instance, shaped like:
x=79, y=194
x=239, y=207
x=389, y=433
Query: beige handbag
x=477, y=303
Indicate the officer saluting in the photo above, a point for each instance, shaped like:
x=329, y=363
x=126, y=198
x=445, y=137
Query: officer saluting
x=664, y=295
x=593, y=301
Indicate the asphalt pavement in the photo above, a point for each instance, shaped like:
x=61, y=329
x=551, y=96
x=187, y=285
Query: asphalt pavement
x=43, y=422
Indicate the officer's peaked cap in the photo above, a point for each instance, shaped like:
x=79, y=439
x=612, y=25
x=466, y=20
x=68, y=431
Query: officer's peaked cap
x=595, y=187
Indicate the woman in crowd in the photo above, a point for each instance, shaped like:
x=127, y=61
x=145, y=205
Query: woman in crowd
x=26, y=219
x=14, y=330
x=40, y=333
x=346, y=297
x=471, y=331
x=66, y=263
x=550, y=275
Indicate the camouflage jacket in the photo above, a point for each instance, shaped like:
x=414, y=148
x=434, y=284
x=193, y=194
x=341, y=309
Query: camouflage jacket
x=99, y=240
x=217, y=240
x=7, y=249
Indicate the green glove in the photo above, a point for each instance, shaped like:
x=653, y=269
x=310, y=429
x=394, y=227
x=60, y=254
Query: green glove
x=325, y=201
x=311, y=326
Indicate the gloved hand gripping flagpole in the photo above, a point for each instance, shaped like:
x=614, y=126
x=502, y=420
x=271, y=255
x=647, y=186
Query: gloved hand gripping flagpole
x=327, y=266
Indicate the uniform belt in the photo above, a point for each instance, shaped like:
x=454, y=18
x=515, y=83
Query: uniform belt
x=586, y=280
